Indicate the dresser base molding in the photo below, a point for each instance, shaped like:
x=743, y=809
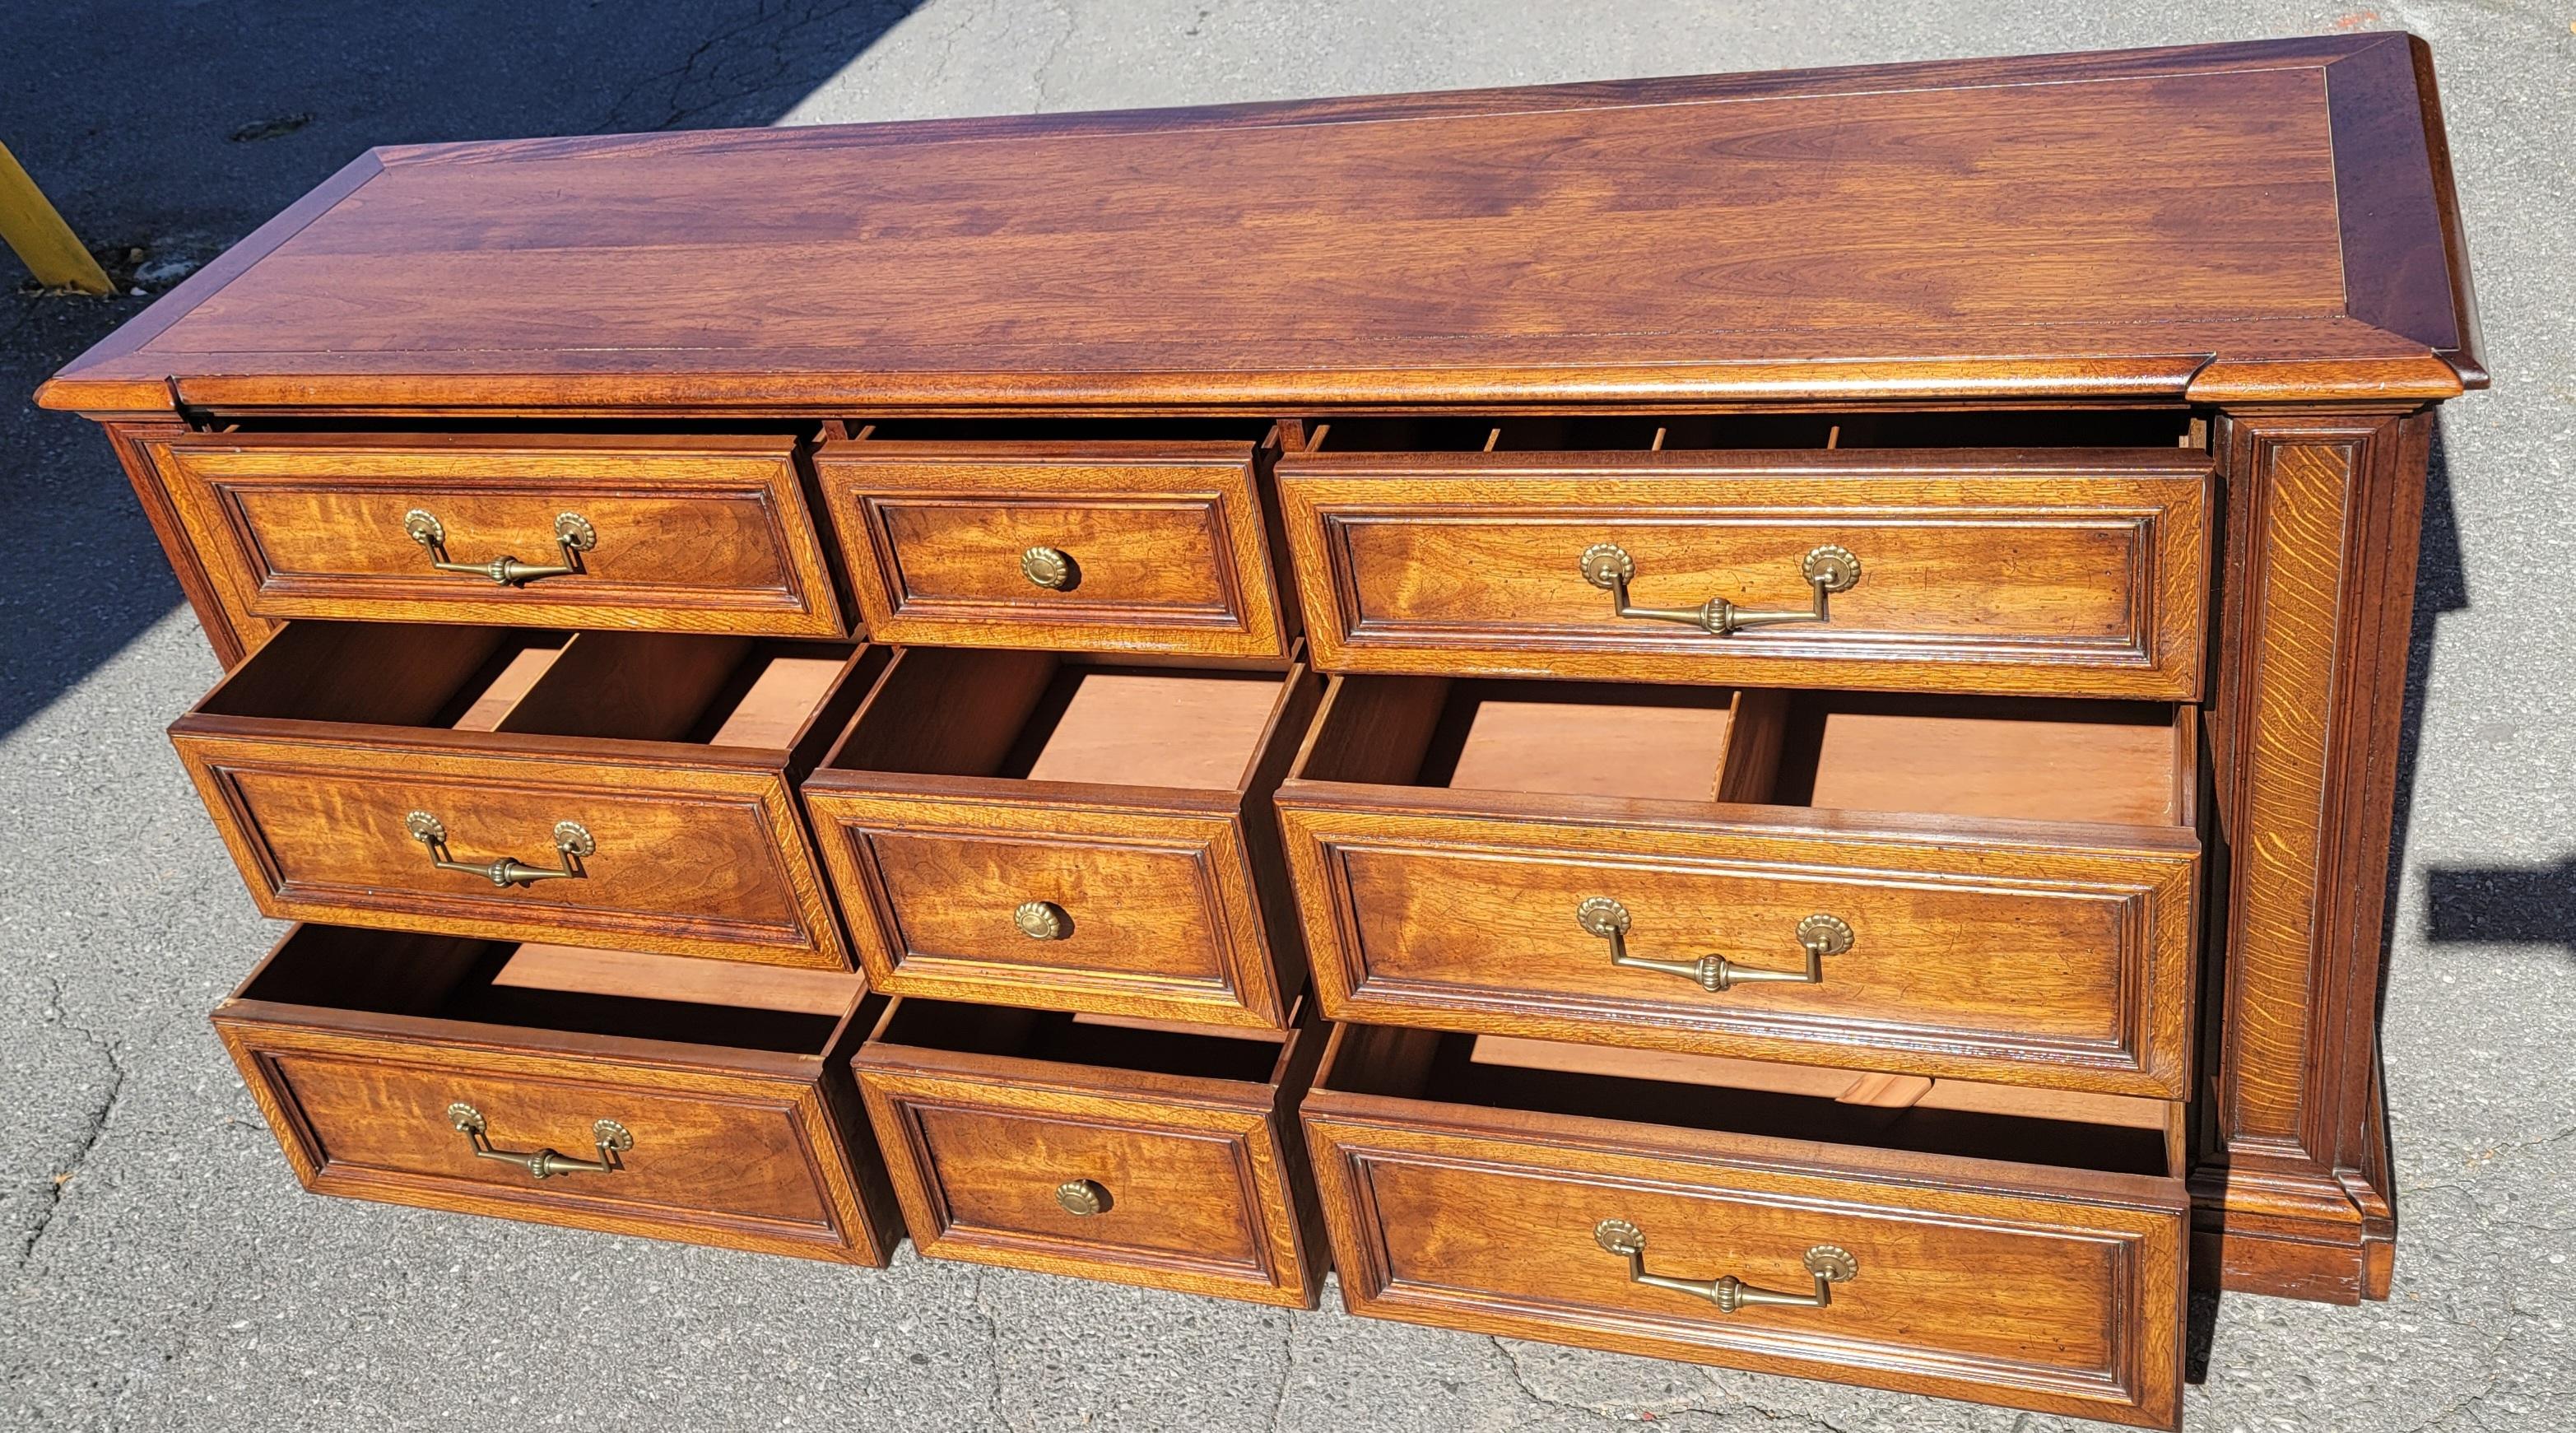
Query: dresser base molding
x=2330, y=1237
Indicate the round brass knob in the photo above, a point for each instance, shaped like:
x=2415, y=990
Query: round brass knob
x=1048, y=568
x=1081, y=1196
x=1041, y=920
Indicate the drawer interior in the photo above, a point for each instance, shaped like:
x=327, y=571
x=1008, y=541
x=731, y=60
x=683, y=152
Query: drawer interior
x=2037, y=759
x=1046, y=716
x=557, y=988
x=2113, y=428
x=2112, y=1133
x=645, y=686
x=1103, y=1041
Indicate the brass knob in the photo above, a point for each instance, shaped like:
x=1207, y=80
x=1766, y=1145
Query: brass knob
x=1041, y=920
x=1048, y=568
x=1081, y=1196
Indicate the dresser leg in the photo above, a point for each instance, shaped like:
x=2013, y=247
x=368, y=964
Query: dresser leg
x=2291, y=1188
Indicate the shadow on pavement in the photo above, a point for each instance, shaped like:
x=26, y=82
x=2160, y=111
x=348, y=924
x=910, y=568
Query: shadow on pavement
x=165, y=130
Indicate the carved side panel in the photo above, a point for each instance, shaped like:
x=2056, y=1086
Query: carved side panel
x=2323, y=513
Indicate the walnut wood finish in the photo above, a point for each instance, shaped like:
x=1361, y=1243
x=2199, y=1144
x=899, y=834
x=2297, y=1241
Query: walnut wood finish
x=2017, y=1280
x=1166, y=544
x=1193, y=1155
x=312, y=755
x=2224, y=223
x=2322, y=531
x=695, y=534
x=2075, y=572
x=355, y=1043
x=973, y=782
x=2015, y=950
x=2255, y=246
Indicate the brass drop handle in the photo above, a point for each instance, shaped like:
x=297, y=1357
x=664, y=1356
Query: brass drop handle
x=1828, y=569
x=573, y=536
x=572, y=843
x=1820, y=935
x=1081, y=1196
x=1829, y=1266
x=544, y=1163
x=1049, y=568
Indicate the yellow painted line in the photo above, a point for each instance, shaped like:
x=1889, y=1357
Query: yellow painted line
x=51, y=251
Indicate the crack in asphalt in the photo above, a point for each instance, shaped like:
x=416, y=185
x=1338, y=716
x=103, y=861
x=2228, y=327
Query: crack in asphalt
x=53, y=1192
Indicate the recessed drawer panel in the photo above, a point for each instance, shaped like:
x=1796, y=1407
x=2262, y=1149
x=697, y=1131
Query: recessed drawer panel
x=1097, y=545
x=705, y=534
x=1990, y=889
x=1068, y=832
x=430, y=1070
x=2081, y=573
x=1144, y=1154
x=626, y=788
x=2029, y=1260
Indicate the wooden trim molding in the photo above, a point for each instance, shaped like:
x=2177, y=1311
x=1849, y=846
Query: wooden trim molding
x=2292, y=1187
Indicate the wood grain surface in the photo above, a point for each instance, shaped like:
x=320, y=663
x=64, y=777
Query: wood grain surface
x=1201, y=1178
x=707, y=533
x=1166, y=541
x=2106, y=225
x=1171, y=890
x=749, y=1148
x=2025, y=1285
x=700, y=849
x=2069, y=572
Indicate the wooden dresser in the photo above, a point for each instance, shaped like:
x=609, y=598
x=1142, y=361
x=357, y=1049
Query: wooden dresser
x=1750, y=719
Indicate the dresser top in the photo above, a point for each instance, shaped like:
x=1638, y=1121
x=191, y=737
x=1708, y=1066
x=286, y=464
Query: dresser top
x=2258, y=222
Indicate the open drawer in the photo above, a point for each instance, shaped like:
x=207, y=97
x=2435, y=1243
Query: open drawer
x=1077, y=833
x=636, y=1094
x=1982, y=888
x=1086, y=536
x=685, y=533
x=625, y=788
x=1655, y=550
x=1099, y=1146
x=2005, y=1246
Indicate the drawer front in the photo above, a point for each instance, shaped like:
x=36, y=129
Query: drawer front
x=2025, y=963
x=1112, y=547
x=1148, y=913
x=1172, y=1194
x=705, y=861
x=671, y=534
x=2065, y=1302
x=742, y=1160
x=2071, y=582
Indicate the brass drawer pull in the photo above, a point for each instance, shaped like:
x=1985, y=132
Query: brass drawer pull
x=1829, y=1265
x=572, y=843
x=573, y=536
x=612, y=1137
x=1081, y=1196
x=1041, y=920
x=1820, y=935
x=1049, y=568
x=1828, y=569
